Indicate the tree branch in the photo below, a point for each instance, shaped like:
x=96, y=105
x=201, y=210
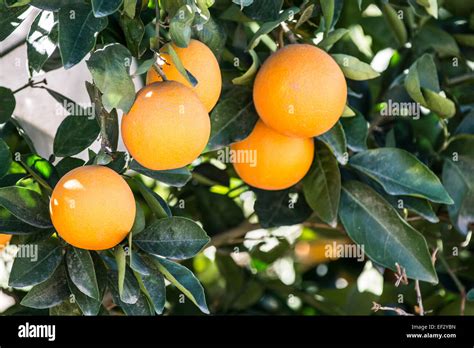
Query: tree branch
x=457, y=282
x=229, y=236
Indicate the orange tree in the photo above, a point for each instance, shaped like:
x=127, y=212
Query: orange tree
x=352, y=194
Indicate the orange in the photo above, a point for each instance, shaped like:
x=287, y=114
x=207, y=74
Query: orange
x=272, y=161
x=4, y=239
x=300, y=91
x=92, y=207
x=199, y=60
x=167, y=126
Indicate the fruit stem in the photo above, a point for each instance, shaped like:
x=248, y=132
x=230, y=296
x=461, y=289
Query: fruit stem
x=156, y=45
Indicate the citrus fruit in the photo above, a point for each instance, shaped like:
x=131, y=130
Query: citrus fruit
x=278, y=161
x=92, y=207
x=167, y=126
x=199, y=60
x=300, y=91
x=4, y=239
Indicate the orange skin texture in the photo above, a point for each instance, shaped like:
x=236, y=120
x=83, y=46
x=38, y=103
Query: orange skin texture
x=167, y=127
x=4, y=239
x=92, y=207
x=300, y=91
x=199, y=60
x=281, y=161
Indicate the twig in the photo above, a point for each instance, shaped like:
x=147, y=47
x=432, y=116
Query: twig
x=459, y=285
x=460, y=79
x=156, y=47
x=419, y=299
x=377, y=307
x=30, y=83
x=401, y=275
x=231, y=235
x=289, y=34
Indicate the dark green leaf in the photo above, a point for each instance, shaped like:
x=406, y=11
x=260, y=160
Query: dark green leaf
x=180, y=26
x=134, y=31
x=335, y=138
x=41, y=41
x=400, y=173
x=5, y=158
x=103, y=8
x=77, y=32
x=10, y=19
x=155, y=289
x=173, y=237
x=269, y=26
x=157, y=204
x=264, y=10
x=433, y=38
x=81, y=271
x=110, y=69
x=35, y=263
x=67, y=164
x=322, y=185
x=333, y=37
x=8, y=102
x=184, y=280
x=387, y=239
x=280, y=208
x=174, y=177
x=10, y=223
x=49, y=293
x=140, y=307
x=356, y=130
x=74, y=134
x=395, y=23
x=233, y=119
x=26, y=205
x=354, y=68
x=139, y=222
x=213, y=35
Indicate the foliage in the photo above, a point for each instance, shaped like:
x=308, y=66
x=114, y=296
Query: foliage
x=398, y=183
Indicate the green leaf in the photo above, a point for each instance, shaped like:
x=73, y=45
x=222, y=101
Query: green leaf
x=439, y=104
x=52, y=5
x=353, y=68
x=331, y=38
x=465, y=39
x=41, y=41
x=153, y=286
x=26, y=205
x=305, y=16
x=470, y=295
x=395, y=23
x=134, y=31
x=49, y=293
x=335, y=138
x=327, y=7
x=173, y=237
x=139, y=222
x=322, y=185
x=141, y=307
x=179, y=65
x=356, y=131
x=10, y=223
x=249, y=75
x=10, y=19
x=213, y=35
x=75, y=134
x=459, y=182
x=29, y=269
x=433, y=38
x=120, y=259
x=264, y=10
x=8, y=102
x=243, y=3
x=387, y=239
x=184, y=280
x=431, y=6
x=157, y=205
x=5, y=158
x=129, y=7
x=400, y=173
x=103, y=8
x=269, y=26
x=67, y=164
x=180, y=26
x=280, y=208
x=110, y=69
x=233, y=118
x=81, y=271
x=77, y=32
x=174, y=177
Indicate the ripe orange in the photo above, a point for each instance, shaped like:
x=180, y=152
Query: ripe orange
x=300, y=91
x=167, y=126
x=199, y=60
x=280, y=161
x=4, y=239
x=92, y=207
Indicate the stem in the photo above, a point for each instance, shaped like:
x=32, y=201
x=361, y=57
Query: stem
x=30, y=83
x=454, y=277
x=232, y=234
x=289, y=34
x=419, y=299
x=35, y=176
x=156, y=46
x=460, y=79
